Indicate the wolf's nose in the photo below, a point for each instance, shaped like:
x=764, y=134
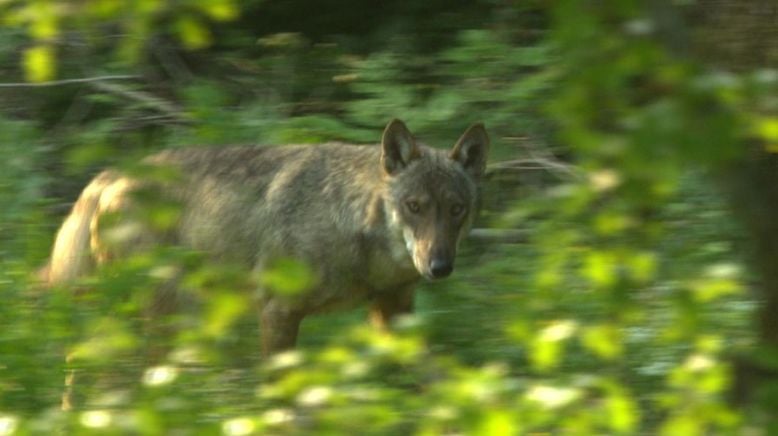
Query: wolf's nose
x=441, y=268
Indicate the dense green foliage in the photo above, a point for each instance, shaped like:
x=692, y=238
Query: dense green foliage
x=616, y=310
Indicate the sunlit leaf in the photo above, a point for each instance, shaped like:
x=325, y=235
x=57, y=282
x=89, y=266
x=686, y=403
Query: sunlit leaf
x=164, y=216
x=96, y=419
x=315, y=396
x=148, y=7
x=604, y=340
x=552, y=397
x=710, y=344
x=558, y=331
x=604, y=180
x=720, y=281
x=545, y=354
x=498, y=422
x=682, y=425
x=104, y=8
x=548, y=345
x=160, y=375
x=608, y=223
x=622, y=412
x=767, y=128
x=109, y=338
x=39, y=63
x=642, y=266
x=287, y=276
x=44, y=26
x=599, y=268
x=239, y=427
x=221, y=10
x=194, y=34
x=223, y=311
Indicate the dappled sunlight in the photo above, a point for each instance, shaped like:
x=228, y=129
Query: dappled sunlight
x=96, y=419
x=551, y=397
x=8, y=425
x=286, y=359
x=160, y=375
x=239, y=427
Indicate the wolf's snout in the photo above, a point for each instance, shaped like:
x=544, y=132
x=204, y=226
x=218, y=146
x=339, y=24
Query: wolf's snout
x=441, y=268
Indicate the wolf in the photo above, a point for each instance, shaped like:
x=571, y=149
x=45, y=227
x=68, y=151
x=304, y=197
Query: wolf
x=368, y=221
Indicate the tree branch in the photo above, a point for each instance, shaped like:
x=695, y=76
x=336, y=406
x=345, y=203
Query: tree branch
x=67, y=81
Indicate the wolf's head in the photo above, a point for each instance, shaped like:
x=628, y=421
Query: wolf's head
x=432, y=195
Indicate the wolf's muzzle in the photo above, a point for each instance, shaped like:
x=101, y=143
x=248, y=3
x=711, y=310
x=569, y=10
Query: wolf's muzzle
x=440, y=268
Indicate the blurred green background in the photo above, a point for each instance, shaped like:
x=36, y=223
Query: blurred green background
x=622, y=279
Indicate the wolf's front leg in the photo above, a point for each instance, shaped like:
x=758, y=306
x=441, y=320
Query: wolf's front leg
x=388, y=306
x=279, y=327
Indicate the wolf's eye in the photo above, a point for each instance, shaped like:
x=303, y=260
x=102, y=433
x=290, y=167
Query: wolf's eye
x=413, y=206
x=457, y=209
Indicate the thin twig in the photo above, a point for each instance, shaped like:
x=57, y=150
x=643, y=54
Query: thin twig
x=144, y=98
x=66, y=81
x=540, y=158
x=538, y=163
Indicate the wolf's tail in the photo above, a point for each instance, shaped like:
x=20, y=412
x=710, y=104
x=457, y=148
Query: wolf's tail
x=71, y=256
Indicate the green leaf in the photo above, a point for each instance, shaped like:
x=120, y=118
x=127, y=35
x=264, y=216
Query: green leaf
x=600, y=268
x=221, y=10
x=194, y=34
x=39, y=63
x=604, y=340
x=547, y=346
x=287, y=276
x=498, y=422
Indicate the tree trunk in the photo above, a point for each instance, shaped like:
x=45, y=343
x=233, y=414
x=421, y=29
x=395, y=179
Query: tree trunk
x=742, y=35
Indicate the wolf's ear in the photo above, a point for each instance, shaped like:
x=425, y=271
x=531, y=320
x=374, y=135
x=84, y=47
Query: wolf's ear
x=398, y=147
x=471, y=150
